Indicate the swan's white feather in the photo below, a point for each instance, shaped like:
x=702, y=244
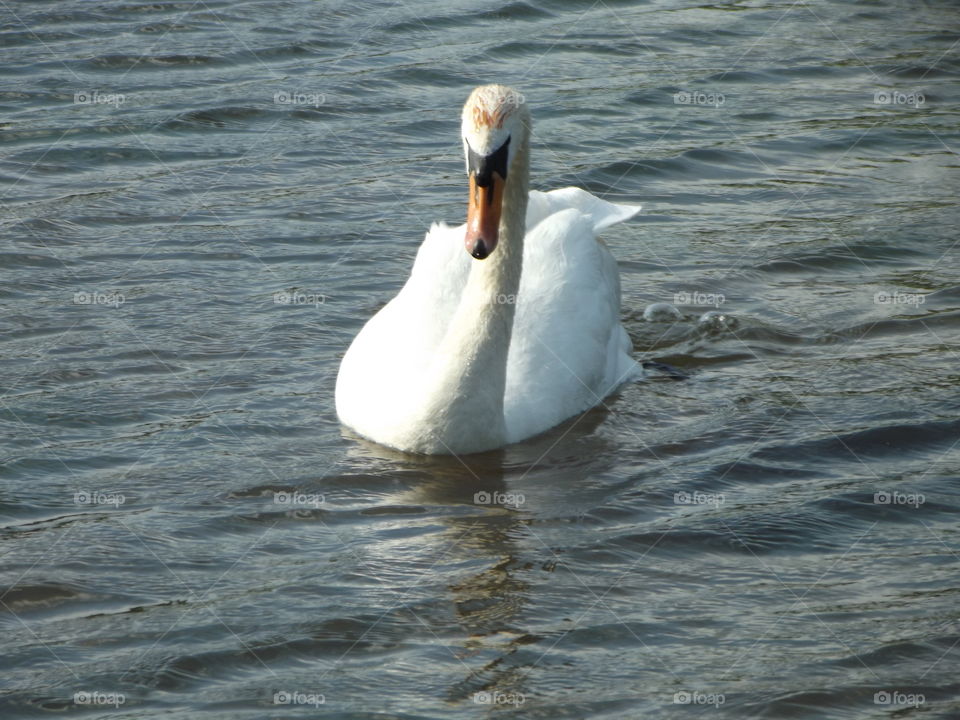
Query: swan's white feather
x=568, y=349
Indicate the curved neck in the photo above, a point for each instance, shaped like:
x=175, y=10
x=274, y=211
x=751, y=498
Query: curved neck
x=463, y=402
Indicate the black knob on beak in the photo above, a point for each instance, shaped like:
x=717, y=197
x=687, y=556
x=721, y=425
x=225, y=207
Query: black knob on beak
x=480, y=249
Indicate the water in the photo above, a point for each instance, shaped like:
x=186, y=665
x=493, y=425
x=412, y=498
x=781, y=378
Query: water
x=774, y=536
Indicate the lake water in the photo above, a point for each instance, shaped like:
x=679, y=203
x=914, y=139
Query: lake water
x=203, y=202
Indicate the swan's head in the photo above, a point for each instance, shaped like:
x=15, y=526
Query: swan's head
x=495, y=125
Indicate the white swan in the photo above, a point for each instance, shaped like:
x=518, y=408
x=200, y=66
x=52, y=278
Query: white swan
x=490, y=346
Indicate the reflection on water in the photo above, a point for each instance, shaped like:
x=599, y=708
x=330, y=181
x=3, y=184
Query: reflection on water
x=762, y=527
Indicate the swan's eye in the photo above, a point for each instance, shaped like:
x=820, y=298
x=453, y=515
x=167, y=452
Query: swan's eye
x=483, y=166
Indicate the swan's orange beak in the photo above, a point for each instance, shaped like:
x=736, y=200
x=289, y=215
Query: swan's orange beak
x=483, y=214
x=488, y=175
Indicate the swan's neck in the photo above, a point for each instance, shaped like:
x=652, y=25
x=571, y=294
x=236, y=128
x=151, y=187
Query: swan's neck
x=465, y=393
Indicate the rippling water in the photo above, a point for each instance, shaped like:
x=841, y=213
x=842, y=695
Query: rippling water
x=202, y=203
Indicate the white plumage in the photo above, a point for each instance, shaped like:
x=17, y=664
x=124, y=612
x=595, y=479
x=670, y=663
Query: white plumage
x=426, y=373
x=567, y=351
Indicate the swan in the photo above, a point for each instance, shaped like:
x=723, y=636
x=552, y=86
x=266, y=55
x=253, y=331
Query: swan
x=487, y=347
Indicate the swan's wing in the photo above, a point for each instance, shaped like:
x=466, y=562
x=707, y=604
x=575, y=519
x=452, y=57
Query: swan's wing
x=599, y=213
x=432, y=292
x=386, y=358
x=568, y=349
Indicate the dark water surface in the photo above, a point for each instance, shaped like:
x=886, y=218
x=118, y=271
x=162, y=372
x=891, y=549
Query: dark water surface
x=187, y=532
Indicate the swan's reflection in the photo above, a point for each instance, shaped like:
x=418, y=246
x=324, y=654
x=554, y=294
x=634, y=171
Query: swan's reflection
x=487, y=524
x=488, y=604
